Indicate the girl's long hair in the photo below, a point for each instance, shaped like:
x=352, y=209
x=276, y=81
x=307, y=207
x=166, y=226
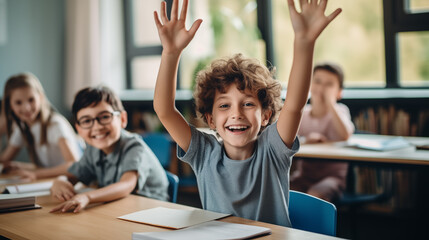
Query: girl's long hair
x=27, y=80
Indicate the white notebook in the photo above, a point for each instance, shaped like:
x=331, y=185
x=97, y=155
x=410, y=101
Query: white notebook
x=382, y=144
x=172, y=218
x=208, y=231
x=36, y=189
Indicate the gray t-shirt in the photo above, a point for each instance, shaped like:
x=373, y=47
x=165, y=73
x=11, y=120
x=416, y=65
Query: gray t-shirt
x=131, y=154
x=256, y=188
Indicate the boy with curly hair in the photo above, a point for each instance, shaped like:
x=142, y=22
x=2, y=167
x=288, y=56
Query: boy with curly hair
x=246, y=173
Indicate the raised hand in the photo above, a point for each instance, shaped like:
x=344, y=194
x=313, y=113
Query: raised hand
x=310, y=22
x=173, y=34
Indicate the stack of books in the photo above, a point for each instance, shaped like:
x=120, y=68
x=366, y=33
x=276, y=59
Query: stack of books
x=17, y=202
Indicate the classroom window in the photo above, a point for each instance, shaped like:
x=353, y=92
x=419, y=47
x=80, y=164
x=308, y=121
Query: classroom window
x=417, y=6
x=229, y=27
x=143, y=47
x=144, y=28
x=354, y=40
x=379, y=43
x=414, y=59
x=145, y=71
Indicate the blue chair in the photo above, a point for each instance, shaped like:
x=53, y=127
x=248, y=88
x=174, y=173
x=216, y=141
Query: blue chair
x=312, y=214
x=173, y=186
x=160, y=144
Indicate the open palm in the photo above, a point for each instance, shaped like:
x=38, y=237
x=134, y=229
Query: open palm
x=310, y=22
x=173, y=34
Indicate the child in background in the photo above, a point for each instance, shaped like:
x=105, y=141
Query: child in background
x=119, y=161
x=31, y=121
x=247, y=173
x=323, y=120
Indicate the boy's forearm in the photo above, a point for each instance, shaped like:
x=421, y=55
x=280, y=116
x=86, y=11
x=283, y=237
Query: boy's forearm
x=165, y=88
x=297, y=91
x=110, y=193
x=300, y=76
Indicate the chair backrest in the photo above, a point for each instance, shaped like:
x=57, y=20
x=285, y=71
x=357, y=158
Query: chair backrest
x=312, y=214
x=161, y=145
x=173, y=186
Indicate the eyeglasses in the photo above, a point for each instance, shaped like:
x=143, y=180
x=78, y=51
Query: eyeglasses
x=103, y=118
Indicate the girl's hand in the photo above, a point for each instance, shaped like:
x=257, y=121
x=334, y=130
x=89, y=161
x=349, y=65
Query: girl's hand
x=13, y=166
x=9, y=167
x=77, y=203
x=62, y=190
x=173, y=34
x=310, y=22
x=26, y=175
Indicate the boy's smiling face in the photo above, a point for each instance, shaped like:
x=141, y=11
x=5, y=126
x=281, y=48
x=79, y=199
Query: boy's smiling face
x=101, y=136
x=237, y=117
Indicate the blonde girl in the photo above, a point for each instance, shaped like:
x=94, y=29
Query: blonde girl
x=31, y=121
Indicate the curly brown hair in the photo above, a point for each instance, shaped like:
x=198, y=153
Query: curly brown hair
x=248, y=74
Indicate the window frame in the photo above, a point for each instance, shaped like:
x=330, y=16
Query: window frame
x=132, y=51
x=396, y=20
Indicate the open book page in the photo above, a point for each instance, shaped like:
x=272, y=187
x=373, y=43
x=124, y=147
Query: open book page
x=208, y=231
x=172, y=218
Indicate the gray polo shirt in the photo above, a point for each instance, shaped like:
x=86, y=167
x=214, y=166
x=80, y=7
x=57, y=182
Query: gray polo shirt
x=131, y=154
x=255, y=188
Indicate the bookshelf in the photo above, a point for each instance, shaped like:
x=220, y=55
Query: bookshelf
x=395, y=116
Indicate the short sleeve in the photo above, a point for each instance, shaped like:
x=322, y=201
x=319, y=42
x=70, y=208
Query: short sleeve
x=202, y=147
x=133, y=159
x=60, y=128
x=83, y=170
x=276, y=148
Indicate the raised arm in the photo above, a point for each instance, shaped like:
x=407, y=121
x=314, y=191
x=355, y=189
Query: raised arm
x=307, y=25
x=174, y=38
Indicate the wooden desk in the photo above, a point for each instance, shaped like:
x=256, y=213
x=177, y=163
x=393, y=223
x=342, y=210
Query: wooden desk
x=415, y=161
x=100, y=222
x=341, y=151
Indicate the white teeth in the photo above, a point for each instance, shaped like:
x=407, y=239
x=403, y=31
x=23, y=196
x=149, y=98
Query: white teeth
x=237, y=127
x=99, y=136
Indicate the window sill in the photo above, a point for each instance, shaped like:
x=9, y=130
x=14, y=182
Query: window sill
x=186, y=95
x=147, y=95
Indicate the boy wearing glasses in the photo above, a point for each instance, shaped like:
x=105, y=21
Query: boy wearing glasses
x=119, y=161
